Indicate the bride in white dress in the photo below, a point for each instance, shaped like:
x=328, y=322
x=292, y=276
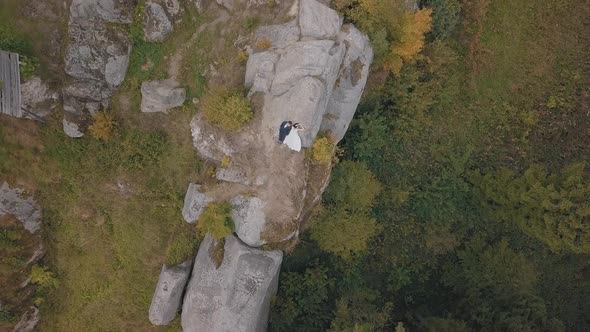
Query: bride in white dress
x=293, y=140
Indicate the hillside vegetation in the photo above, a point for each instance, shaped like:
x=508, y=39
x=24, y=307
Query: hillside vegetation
x=480, y=143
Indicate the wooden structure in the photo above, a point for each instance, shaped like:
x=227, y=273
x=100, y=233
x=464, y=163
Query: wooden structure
x=10, y=98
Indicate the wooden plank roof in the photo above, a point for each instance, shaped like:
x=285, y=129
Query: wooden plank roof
x=10, y=98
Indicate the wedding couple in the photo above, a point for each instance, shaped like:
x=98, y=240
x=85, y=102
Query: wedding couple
x=288, y=134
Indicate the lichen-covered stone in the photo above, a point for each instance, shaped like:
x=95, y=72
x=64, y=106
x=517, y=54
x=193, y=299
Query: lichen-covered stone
x=161, y=96
x=25, y=209
x=167, y=297
x=234, y=297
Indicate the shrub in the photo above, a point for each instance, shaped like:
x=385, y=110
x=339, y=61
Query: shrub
x=102, y=127
x=396, y=33
x=322, y=150
x=229, y=110
x=43, y=278
x=344, y=234
x=353, y=186
x=216, y=220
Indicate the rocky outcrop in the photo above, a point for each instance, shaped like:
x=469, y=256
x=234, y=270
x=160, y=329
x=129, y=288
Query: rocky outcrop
x=234, y=297
x=96, y=59
x=156, y=24
x=161, y=96
x=195, y=203
x=26, y=210
x=167, y=298
x=249, y=219
x=313, y=73
x=38, y=99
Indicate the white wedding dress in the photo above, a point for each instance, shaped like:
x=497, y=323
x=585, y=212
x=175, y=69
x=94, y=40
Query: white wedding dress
x=293, y=140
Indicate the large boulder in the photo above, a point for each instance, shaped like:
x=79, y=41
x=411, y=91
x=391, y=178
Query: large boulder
x=156, y=24
x=14, y=201
x=351, y=82
x=318, y=21
x=249, y=219
x=161, y=96
x=167, y=298
x=195, y=203
x=234, y=297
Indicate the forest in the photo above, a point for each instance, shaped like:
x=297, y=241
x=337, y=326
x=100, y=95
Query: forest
x=461, y=198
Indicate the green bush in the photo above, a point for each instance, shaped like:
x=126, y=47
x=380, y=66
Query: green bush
x=353, y=186
x=43, y=278
x=344, y=234
x=229, y=110
x=445, y=16
x=216, y=220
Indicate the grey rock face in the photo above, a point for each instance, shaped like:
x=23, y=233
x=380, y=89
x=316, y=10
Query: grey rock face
x=304, y=103
x=38, y=98
x=96, y=59
x=195, y=203
x=114, y=11
x=28, y=321
x=317, y=58
x=156, y=25
x=97, y=52
x=160, y=96
x=167, y=298
x=318, y=21
x=280, y=35
x=234, y=297
x=249, y=219
x=26, y=210
x=351, y=82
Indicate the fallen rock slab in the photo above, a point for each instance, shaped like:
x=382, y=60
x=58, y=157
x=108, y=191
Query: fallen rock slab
x=234, y=297
x=167, y=298
x=249, y=219
x=195, y=203
x=161, y=96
